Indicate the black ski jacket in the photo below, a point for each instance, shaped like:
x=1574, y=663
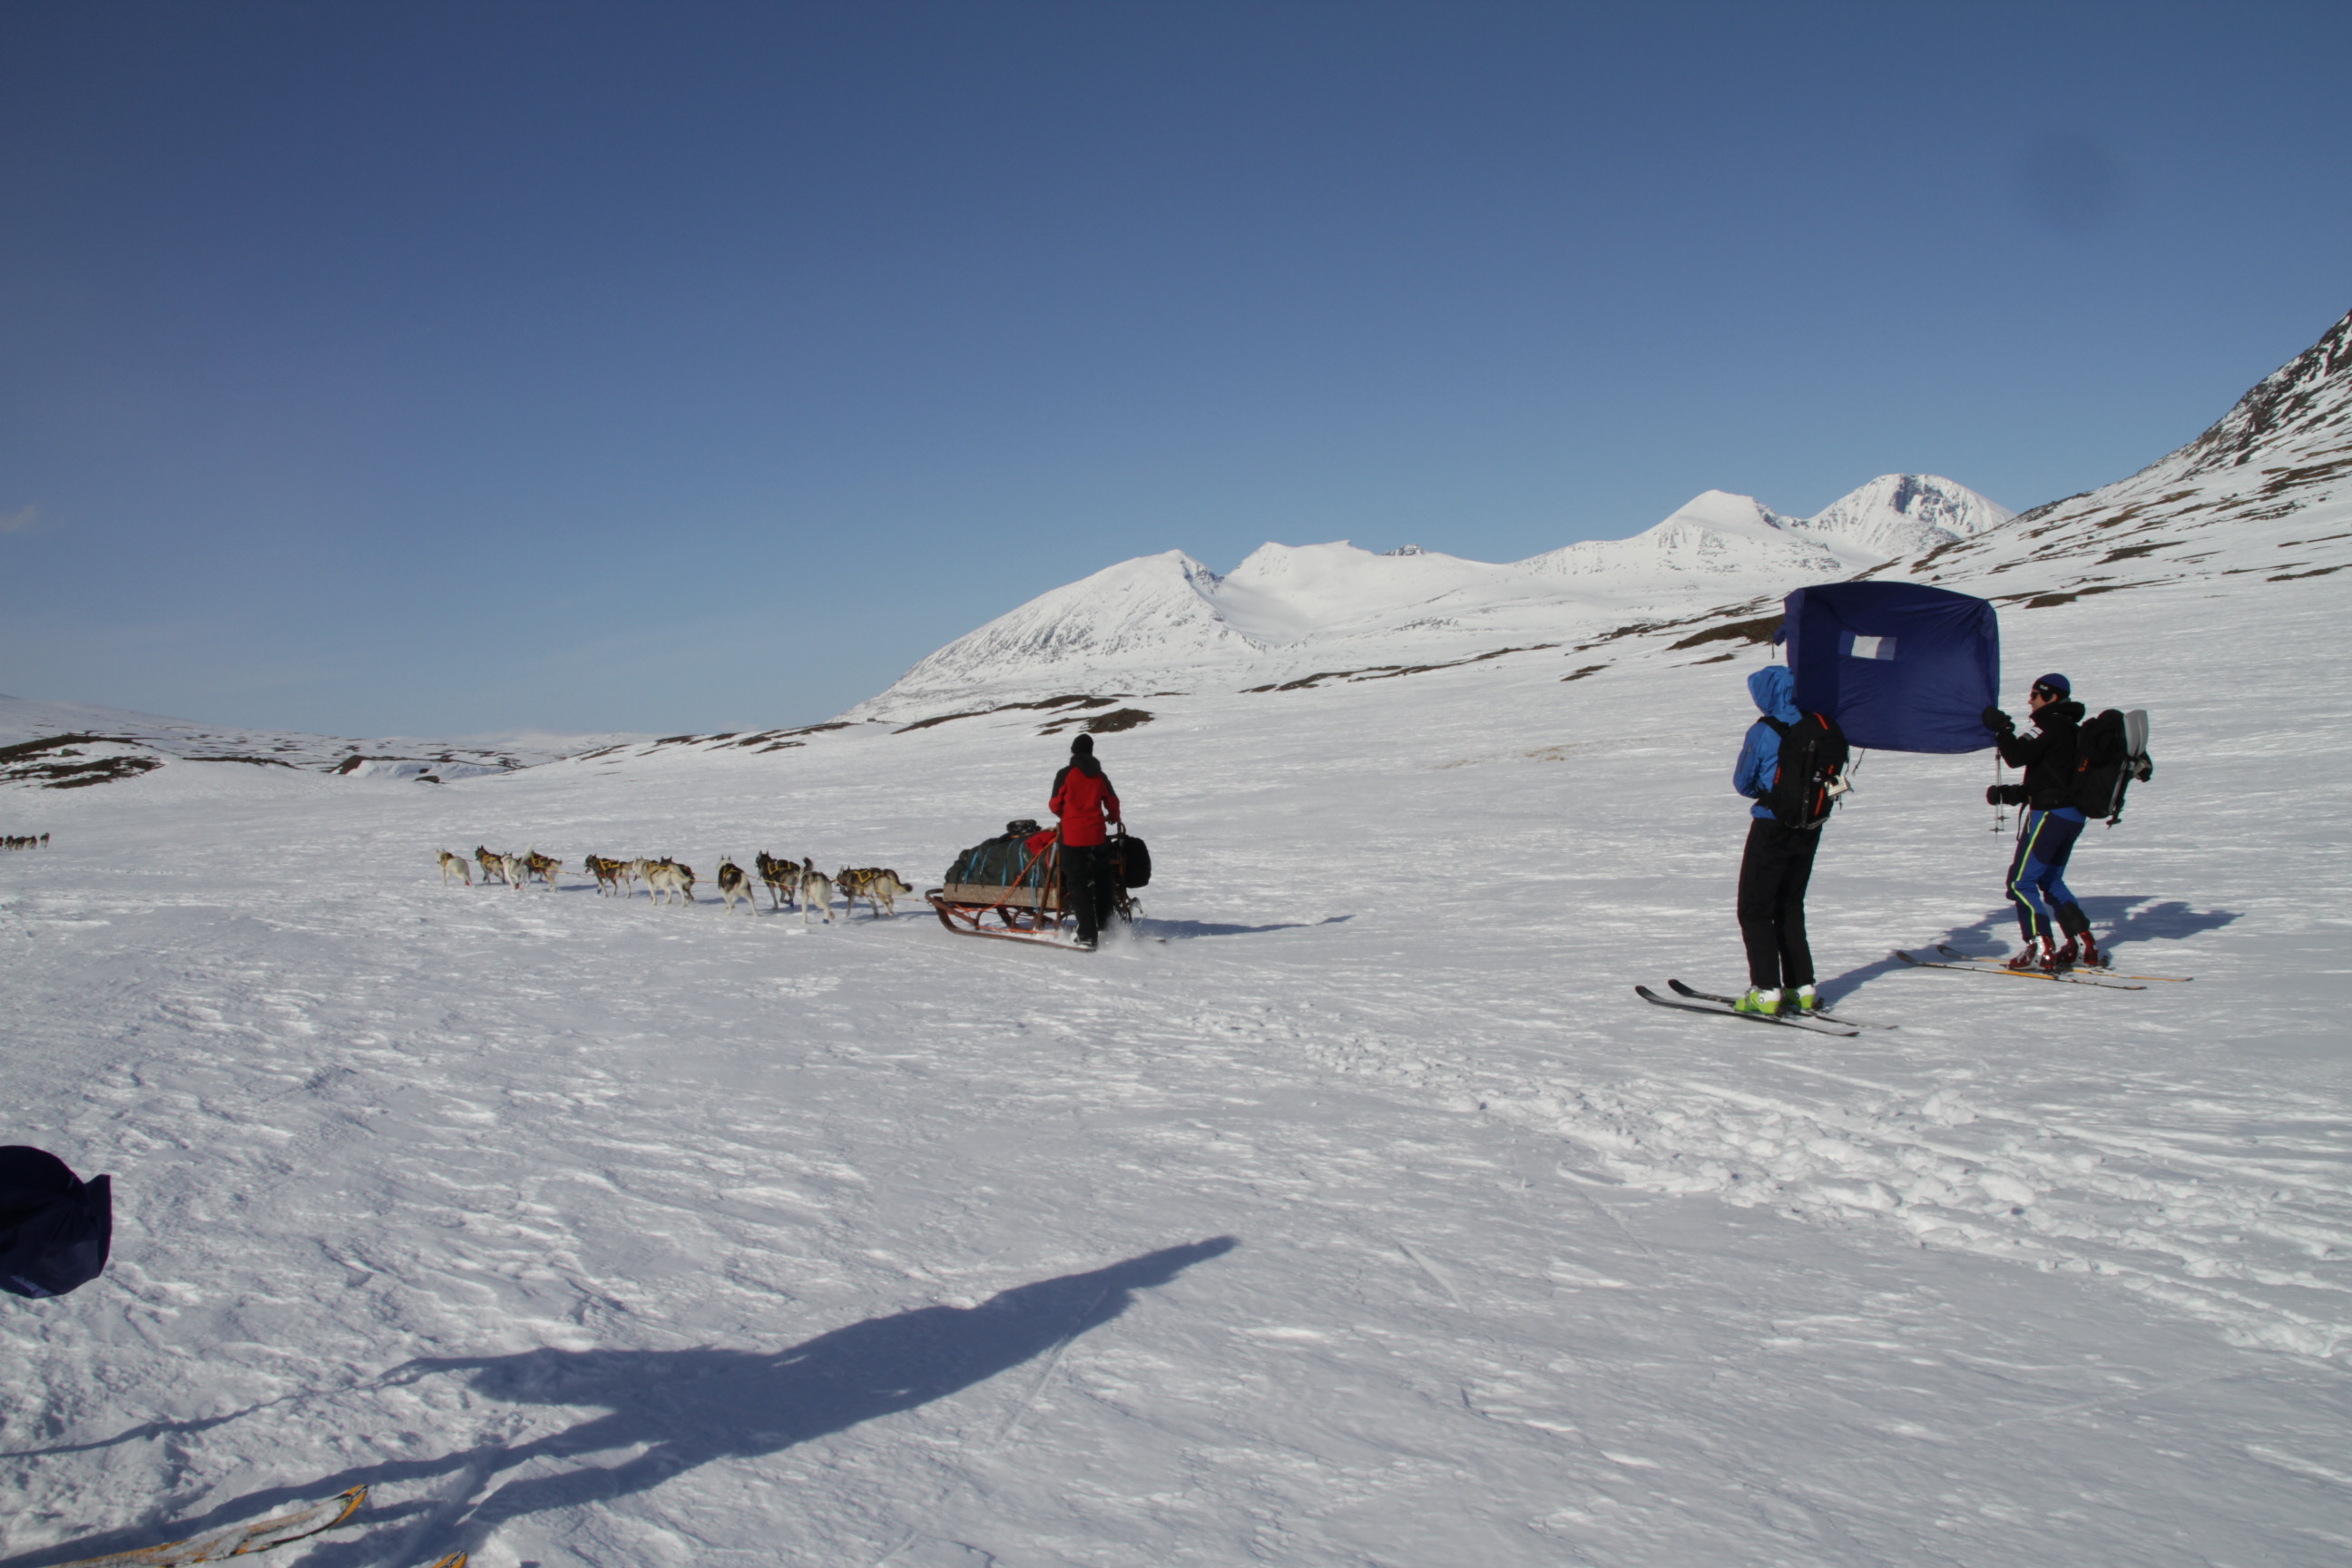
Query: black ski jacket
x=2047, y=758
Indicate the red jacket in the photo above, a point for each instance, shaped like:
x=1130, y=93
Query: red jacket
x=1084, y=802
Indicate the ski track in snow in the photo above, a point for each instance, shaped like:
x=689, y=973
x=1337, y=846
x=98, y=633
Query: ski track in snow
x=594, y=1233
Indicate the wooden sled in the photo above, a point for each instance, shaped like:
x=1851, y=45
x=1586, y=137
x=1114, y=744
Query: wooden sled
x=1031, y=911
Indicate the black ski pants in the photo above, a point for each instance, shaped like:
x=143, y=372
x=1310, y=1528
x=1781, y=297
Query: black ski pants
x=1086, y=886
x=1773, y=872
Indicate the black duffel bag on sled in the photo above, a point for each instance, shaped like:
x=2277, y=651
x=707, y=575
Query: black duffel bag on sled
x=1133, y=859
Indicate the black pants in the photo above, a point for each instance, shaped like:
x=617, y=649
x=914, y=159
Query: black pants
x=1773, y=872
x=1086, y=891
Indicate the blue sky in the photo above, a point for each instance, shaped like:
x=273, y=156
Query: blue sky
x=438, y=369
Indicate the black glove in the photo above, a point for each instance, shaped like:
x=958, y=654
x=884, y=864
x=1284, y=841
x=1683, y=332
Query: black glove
x=1999, y=722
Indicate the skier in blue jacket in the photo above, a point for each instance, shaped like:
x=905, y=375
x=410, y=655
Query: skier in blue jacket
x=1777, y=863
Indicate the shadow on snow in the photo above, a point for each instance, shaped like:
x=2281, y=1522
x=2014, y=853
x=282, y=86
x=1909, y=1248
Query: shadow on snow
x=1172, y=930
x=2123, y=922
x=684, y=1408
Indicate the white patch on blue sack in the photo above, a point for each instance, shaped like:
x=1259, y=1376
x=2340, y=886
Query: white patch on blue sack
x=1871, y=647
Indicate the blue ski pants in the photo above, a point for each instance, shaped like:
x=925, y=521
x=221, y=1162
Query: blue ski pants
x=2037, y=872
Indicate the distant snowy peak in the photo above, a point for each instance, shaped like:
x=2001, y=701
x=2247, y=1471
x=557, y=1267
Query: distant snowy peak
x=1153, y=610
x=1162, y=620
x=1715, y=536
x=1283, y=592
x=1901, y=515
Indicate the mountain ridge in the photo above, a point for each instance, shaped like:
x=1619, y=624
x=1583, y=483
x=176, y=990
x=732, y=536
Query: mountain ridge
x=1165, y=619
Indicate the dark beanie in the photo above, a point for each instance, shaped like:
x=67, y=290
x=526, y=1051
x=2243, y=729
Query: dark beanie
x=1084, y=746
x=2057, y=683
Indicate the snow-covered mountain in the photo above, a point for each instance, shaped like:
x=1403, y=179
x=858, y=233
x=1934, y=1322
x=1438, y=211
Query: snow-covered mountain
x=1167, y=620
x=2236, y=502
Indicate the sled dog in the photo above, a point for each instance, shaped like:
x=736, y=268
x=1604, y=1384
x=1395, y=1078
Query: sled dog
x=816, y=892
x=877, y=884
x=535, y=864
x=735, y=883
x=782, y=877
x=455, y=863
x=514, y=870
x=666, y=876
x=492, y=863
x=608, y=873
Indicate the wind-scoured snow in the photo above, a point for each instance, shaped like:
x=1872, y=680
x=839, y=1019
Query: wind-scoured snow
x=1351, y=1211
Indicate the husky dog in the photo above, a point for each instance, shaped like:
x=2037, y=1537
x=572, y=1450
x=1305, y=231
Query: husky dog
x=455, y=863
x=666, y=876
x=816, y=892
x=493, y=864
x=735, y=883
x=608, y=873
x=782, y=877
x=514, y=870
x=877, y=884
x=538, y=865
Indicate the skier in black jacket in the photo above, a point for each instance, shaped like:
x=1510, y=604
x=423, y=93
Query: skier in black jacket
x=2046, y=837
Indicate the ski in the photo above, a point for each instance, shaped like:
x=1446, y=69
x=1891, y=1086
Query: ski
x=1726, y=1011
x=1823, y=1014
x=2064, y=979
x=297, y=1523
x=2101, y=970
x=455, y=1560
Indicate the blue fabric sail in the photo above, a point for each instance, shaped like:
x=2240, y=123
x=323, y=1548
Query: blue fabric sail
x=1900, y=666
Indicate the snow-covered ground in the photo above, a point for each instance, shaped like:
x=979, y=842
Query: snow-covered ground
x=1353, y=1212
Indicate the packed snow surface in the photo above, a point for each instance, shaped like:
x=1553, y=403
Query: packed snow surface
x=1350, y=1210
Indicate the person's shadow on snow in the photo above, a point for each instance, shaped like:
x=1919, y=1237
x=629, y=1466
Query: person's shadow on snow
x=2124, y=922
x=689, y=1408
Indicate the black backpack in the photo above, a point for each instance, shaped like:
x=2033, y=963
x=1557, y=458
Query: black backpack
x=1134, y=860
x=1813, y=754
x=2110, y=757
x=54, y=1229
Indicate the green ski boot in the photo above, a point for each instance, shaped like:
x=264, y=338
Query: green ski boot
x=1764, y=1004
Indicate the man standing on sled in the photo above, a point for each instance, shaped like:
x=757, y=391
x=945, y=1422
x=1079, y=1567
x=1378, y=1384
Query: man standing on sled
x=1085, y=801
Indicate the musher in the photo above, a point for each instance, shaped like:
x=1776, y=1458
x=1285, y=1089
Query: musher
x=1085, y=801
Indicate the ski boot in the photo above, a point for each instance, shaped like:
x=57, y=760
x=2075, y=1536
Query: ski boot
x=1807, y=999
x=2036, y=955
x=1763, y=1004
x=2090, y=957
x=2066, y=957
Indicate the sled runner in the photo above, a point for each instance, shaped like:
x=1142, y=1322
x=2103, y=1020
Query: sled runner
x=297, y=1523
x=1010, y=887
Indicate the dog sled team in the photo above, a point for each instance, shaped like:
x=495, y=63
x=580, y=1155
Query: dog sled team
x=667, y=880
x=25, y=841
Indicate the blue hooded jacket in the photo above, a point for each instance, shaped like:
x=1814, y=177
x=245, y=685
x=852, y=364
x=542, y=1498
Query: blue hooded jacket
x=1775, y=691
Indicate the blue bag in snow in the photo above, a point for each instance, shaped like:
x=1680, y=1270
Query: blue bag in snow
x=1900, y=666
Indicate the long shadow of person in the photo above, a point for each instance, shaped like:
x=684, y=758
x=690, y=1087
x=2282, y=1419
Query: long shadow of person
x=689, y=1408
x=2124, y=921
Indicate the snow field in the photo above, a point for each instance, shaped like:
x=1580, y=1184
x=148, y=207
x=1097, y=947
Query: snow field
x=595, y=1233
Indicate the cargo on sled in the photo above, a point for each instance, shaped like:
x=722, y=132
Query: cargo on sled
x=1010, y=887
